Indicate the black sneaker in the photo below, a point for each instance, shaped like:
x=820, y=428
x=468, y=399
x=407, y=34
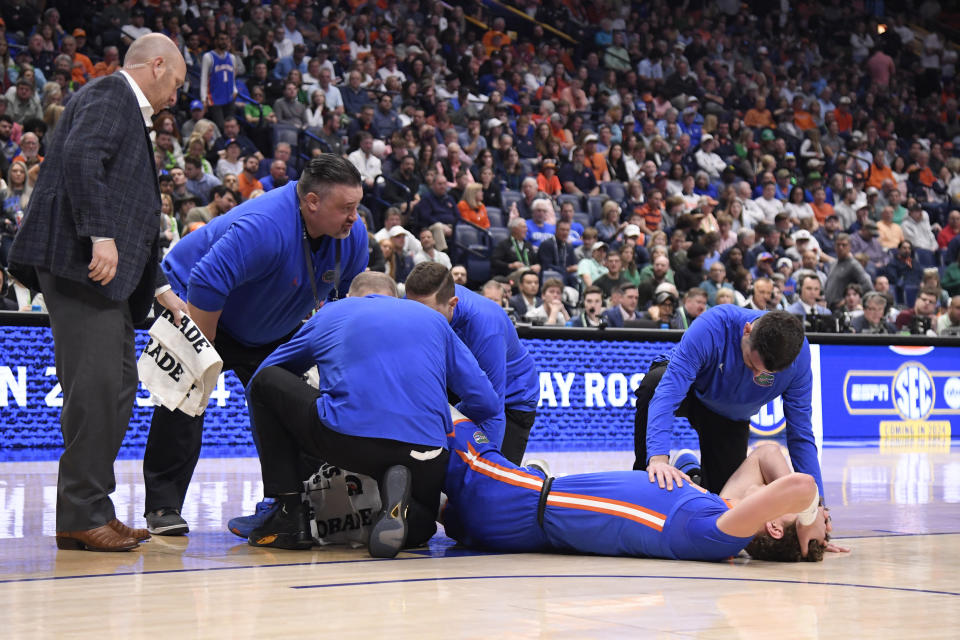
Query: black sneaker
x=389, y=532
x=285, y=529
x=166, y=522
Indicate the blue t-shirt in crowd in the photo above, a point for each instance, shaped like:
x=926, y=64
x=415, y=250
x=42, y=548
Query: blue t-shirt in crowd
x=250, y=263
x=385, y=366
x=709, y=359
x=537, y=234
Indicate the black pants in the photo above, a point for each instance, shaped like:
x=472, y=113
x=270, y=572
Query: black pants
x=175, y=438
x=516, y=434
x=284, y=412
x=93, y=342
x=723, y=442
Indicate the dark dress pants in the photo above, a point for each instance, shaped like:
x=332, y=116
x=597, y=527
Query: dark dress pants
x=95, y=355
x=284, y=412
x=175, y=438
x=723, y=442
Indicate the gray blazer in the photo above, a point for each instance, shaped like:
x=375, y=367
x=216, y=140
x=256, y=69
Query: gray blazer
x=98, y=179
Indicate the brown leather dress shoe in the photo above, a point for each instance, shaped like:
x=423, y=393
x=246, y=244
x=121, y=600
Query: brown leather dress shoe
x=139, y=535
x=103, y=538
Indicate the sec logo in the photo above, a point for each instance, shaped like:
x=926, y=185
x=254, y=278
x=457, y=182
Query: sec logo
x=913, y=391
x=769, y=419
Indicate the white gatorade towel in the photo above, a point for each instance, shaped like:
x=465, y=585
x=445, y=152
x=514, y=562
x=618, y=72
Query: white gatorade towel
x=179, y=366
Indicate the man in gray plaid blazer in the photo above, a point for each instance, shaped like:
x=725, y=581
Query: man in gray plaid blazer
x=89, y=242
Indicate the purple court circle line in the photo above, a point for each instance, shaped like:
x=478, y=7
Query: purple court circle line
x=631, y=577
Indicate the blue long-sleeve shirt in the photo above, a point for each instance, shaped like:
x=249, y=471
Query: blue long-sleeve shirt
x=250, y=263
x=384, y=366
x=490, y=336
x=709, y=358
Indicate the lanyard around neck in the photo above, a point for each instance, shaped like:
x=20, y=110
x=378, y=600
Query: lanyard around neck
x=520, y=251
x=308, y=260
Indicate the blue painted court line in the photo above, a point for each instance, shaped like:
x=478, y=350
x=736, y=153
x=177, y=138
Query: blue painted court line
x=631, y=577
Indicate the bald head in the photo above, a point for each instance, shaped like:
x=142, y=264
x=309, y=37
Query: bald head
x=372, y=283
x=146, y=48
x=156, y=65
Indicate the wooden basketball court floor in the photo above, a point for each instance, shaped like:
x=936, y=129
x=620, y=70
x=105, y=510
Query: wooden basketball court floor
x=898, y=508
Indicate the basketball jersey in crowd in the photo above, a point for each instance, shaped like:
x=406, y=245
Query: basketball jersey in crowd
x=222, y=79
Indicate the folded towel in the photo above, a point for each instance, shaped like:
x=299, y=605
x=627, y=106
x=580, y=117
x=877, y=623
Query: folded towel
x=179, y=366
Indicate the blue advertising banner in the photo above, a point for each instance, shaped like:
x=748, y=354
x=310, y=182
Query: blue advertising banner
x=586, y=396
x=890, y=391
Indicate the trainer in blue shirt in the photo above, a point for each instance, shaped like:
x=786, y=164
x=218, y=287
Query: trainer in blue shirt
x=487, y=331
x=728, y=364
x=249, y=278
x=380, y=409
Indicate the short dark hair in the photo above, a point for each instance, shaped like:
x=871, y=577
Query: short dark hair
x=326, y=170
x=6, y=117
x=428, y=278
x=552, y=283
x=220, y=191
x=196, y=162
x=853, y=286
x=777, y=337
x=529, y=272
x=693, y=292
x=592, y=289
x=784, y=549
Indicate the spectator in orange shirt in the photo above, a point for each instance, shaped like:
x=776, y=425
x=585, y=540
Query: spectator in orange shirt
x=922, y=169
x=82, y=66
x=29, y=150
x=496, y=38
x=821, y=208
x=109, y=64
x=247, y=180
x=471, y=206
x=802, y=117
x=880, y=171
x=652, y=211
x=594, y=160
x=843, y=116
x=759, y=116
x=547, y=180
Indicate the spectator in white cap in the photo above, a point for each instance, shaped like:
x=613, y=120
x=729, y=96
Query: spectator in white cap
x=707, y=160
x=591, y=268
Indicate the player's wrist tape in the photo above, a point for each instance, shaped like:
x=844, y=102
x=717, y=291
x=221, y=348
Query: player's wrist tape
x=808, y=515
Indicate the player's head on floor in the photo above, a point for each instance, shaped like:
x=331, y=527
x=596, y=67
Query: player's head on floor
x=431, y=283
x=372, y=283
x=772, y=342
x=784, y=539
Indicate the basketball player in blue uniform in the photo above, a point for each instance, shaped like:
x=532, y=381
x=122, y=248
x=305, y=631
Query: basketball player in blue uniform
x=496, y=505
x=487, y=331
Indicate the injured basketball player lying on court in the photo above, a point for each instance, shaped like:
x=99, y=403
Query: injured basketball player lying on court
x=765, y=509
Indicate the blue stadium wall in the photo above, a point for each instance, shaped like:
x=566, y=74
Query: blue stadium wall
x=867, y=389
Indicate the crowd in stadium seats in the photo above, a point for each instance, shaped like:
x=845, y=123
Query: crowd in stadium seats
x=585, y=163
